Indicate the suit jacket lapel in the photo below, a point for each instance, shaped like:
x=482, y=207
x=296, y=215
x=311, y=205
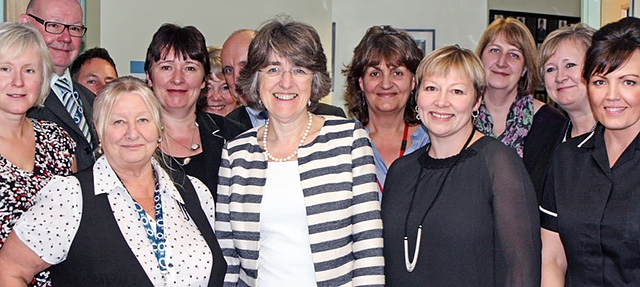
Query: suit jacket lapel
x=54, y=104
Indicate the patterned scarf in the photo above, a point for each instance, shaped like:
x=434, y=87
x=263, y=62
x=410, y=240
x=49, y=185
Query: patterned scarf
x=518, y=124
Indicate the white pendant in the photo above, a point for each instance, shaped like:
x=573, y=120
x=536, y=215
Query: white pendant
x=186, y=161
x=194, y=146
x=411, y=264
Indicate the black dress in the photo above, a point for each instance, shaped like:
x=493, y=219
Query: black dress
x=596, y=211
x=483, y=229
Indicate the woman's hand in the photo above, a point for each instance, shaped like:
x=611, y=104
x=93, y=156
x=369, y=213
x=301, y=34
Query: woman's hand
x=18, y=263
x=554, y=261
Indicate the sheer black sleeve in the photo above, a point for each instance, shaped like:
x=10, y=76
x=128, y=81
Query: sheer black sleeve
x=516, y=217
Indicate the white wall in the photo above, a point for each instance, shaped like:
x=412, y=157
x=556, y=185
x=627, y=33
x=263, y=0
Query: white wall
x=456, y=22
x=126, y=27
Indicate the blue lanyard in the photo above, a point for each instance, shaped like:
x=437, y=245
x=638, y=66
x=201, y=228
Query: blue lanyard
x=157, y=238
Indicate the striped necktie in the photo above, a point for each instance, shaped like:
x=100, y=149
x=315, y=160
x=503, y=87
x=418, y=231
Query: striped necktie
x=72, y=103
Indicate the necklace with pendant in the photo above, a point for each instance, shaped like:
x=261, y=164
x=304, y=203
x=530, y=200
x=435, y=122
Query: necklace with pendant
x=194, y=146
x=411, y=264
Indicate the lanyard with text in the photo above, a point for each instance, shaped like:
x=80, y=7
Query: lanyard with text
x=157, y=238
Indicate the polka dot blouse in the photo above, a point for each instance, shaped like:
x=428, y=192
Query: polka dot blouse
x=58, y=211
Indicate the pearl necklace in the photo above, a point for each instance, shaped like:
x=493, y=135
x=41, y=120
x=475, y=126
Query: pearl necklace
x=295, y=152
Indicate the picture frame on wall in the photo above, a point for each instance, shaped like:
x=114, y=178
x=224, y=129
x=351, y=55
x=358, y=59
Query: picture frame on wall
x=540, y=25
x=424, y=38
x=541, y=29
x=562, y=23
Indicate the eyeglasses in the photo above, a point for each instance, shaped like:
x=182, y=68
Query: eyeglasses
x=58, y=28
x=296, y=73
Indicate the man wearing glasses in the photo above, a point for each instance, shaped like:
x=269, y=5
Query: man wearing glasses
x=69, y=104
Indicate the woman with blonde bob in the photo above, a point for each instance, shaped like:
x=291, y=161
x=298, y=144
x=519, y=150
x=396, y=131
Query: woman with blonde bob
x=123, y=222
x=468, y=213
x=31, y=151
x=508, y=111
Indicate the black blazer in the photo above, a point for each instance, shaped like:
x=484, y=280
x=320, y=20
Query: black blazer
x=215, y=131
x=54, y=111
x=241, y=115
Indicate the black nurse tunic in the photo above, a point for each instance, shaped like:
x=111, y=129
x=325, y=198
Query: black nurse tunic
x=596, y=211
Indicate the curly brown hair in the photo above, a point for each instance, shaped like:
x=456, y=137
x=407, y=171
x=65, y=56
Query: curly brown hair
x=380, y=43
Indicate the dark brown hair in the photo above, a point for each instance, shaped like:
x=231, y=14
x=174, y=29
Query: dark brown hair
x=187, y=42
x=611, y=47
x=380, y=43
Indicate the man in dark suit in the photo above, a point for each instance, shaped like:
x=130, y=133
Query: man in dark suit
x=234, y=56
x=69, y=104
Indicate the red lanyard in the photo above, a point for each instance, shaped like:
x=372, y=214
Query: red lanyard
x=403, y=147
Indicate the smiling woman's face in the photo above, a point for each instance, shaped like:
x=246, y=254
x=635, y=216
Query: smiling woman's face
x=131, y=136
x=615, y=97
x=177, y=82
x=284, y=94
x=503, y=63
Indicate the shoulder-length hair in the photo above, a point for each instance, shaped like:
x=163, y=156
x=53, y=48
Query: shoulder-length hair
x=380, y=43
x=611, y=47
x=15, y=39
x=297, y=42
x=518, y=35
x=186, y=42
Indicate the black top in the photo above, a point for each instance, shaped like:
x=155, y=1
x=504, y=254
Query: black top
x=483, y=230
x=215, y=131
x=598, y=211
x=545, y=134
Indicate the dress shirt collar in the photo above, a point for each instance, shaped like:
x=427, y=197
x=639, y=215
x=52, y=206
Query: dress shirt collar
x=106, y=180
x=253, y=115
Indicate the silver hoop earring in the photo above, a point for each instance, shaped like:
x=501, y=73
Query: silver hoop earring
x=474, y=114
x=417, y=113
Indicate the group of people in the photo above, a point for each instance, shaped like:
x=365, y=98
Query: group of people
x=223, y=168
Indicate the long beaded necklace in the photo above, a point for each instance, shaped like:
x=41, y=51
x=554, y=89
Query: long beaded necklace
x=411, y=264
x=295, y=152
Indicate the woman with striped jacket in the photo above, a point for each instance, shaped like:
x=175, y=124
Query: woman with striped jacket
x=297, y=198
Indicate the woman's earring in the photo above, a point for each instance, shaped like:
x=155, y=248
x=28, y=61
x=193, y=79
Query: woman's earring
x=309, y=103
x=475, y=114
x=417, y=113
x=160, y=139
x=100, y=147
